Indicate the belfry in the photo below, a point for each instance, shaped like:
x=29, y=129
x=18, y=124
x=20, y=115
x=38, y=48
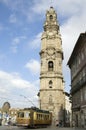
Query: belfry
x=51, y=76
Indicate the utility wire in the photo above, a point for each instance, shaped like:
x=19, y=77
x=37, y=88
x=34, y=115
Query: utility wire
x=16, y=100
x=28, y=100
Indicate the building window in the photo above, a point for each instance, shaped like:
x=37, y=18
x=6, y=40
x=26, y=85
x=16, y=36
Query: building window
x=50, y=84
x=50, y=66
x=85, y=120
x=82, y=55
x=85, y=93
x=81, y=96
x=79, y=60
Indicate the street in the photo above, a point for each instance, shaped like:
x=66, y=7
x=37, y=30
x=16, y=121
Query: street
x=48, y=128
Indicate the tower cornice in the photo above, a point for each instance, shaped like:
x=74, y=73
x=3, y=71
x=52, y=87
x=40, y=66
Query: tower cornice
x=52, y=90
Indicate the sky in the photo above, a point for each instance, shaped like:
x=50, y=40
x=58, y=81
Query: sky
x=21, y=27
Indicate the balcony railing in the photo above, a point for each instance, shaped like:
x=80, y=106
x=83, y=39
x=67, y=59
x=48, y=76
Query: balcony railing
x=78, y=85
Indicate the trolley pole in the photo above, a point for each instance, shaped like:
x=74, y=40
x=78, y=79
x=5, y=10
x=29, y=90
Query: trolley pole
x=28, y=100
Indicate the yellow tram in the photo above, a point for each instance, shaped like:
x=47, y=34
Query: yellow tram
x=33, y=117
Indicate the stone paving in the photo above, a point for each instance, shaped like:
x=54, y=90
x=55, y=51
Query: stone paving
x=48, y=128
x=65, y=128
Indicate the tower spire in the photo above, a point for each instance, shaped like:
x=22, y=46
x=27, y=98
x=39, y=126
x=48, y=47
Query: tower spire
x=51, y=23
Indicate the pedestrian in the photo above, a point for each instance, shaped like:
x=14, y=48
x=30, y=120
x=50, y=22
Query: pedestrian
x=73, y=124
x=60, y=123
x=57, y=123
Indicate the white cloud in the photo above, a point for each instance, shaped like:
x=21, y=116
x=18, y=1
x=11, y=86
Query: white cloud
x=13, y=80
x=1, y=27
x=12, y=86
x=69, y=8
x=12, y=18
x=3, y=91
x=73, y=14
x=13, y=49
x=40, y=6
x=36, y=41
x=33, y=66
x=14, y=5
x=70, y=31
x=15, y=43
x=65, y=8
x=2, y=57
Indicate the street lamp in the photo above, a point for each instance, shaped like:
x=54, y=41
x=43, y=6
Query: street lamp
x=28, y=99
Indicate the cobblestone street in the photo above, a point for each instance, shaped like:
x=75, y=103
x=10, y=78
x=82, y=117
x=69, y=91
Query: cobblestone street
x=48, y=128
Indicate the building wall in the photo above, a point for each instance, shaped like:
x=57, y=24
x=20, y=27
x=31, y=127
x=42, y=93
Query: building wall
x=77, y=64
x=68, y=110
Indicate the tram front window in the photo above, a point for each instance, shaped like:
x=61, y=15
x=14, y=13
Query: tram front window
x=27, y=114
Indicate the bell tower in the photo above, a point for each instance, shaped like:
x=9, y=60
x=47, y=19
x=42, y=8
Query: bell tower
x=51, y=77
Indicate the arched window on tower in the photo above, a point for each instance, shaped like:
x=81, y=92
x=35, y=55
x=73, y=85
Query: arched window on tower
x=50, y=84
x=51, y=17
x=50, y=66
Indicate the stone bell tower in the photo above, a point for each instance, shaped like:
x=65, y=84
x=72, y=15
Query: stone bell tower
x=51, y=77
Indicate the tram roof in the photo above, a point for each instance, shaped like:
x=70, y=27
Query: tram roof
x=36, y=109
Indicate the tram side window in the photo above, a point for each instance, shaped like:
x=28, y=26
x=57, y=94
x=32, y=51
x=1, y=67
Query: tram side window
x=46, y=117
x=49, y=117
x=37, y=116
x=21, y=114
x=40, y=116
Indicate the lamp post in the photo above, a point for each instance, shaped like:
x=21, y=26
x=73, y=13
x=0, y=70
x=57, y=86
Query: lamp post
x=28, y=100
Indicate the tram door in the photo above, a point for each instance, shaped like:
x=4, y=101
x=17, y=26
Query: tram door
x=31, y=118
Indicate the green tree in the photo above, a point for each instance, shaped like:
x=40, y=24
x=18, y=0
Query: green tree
x=6, y=106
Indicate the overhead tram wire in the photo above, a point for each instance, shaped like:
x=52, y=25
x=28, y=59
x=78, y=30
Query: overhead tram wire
x=14, y=95
x=28, y=100
x=10, y=99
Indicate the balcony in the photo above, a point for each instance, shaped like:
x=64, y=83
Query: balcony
x=76, y=107
x=78, y=85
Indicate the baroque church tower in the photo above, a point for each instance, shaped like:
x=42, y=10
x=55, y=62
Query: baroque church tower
x=51, y=77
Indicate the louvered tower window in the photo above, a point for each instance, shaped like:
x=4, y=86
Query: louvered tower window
x=50, y=65
x=50, y=84
x=51, y=17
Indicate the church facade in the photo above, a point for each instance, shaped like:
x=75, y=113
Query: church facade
x=51, y=76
